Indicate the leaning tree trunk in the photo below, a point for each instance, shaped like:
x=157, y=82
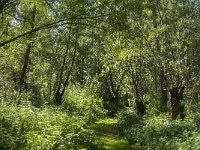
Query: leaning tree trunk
x=177, y=108
x=63, y=83
x=27, y=54
x=22, y=83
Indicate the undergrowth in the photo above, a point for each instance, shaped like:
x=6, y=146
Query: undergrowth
x=47, y=128
x=159, y=132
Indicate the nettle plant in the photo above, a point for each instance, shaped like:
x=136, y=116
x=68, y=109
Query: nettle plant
x=47, y=128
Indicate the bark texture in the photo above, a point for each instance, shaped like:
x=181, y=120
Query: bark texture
x=177, y=107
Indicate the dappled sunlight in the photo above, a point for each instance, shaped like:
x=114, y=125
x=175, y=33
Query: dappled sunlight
x=99, y=74
x=109, y=136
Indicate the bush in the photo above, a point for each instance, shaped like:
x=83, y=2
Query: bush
x=84, y=103
x=158, y=132
x=48, y=128
x=126, y=119
x=196, y=119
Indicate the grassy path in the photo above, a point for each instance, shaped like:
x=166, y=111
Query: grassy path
x=109, y=137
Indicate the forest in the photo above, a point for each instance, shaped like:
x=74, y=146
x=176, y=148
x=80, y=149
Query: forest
x=99, y=74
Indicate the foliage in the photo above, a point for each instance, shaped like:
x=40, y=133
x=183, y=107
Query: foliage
x=65, y=64
x=27, y=127
x=83, y=103
x=126, y=119
x=158, y=132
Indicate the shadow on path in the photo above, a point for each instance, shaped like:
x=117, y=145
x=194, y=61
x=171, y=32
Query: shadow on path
x=109, y=136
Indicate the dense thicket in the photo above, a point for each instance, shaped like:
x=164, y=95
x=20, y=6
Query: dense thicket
x=89, y=57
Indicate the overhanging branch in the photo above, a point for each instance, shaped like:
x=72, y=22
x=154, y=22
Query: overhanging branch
x=50, y=25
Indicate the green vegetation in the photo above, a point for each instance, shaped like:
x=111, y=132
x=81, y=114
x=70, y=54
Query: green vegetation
x=99, y=74
x=159, y=132
x=109, y=136
x=26, y=127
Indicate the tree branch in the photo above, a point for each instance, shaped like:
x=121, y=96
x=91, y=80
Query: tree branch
x=50, y=25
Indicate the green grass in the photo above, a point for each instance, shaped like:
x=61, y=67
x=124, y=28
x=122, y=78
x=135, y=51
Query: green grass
x=109, y=136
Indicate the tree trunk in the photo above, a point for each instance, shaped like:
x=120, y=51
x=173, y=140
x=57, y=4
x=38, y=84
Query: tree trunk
x=60, y=92
x=113, y=91
x=139, y=105
x=140, y=108
x=22, y=84
x=59, y=96
x=163, y=80
x=164, y=97
x=177, y=108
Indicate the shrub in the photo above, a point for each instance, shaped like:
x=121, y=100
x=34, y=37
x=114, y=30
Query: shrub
x=48, y=128
x=83, y=102
x=196, y=119
x=158, y=132
x=126, y=119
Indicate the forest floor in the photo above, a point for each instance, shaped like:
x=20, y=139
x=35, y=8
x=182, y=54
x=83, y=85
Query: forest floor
x=109, y=137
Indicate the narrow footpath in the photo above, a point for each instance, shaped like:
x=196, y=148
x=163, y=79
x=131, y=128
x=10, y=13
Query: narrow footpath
x=109, y=137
